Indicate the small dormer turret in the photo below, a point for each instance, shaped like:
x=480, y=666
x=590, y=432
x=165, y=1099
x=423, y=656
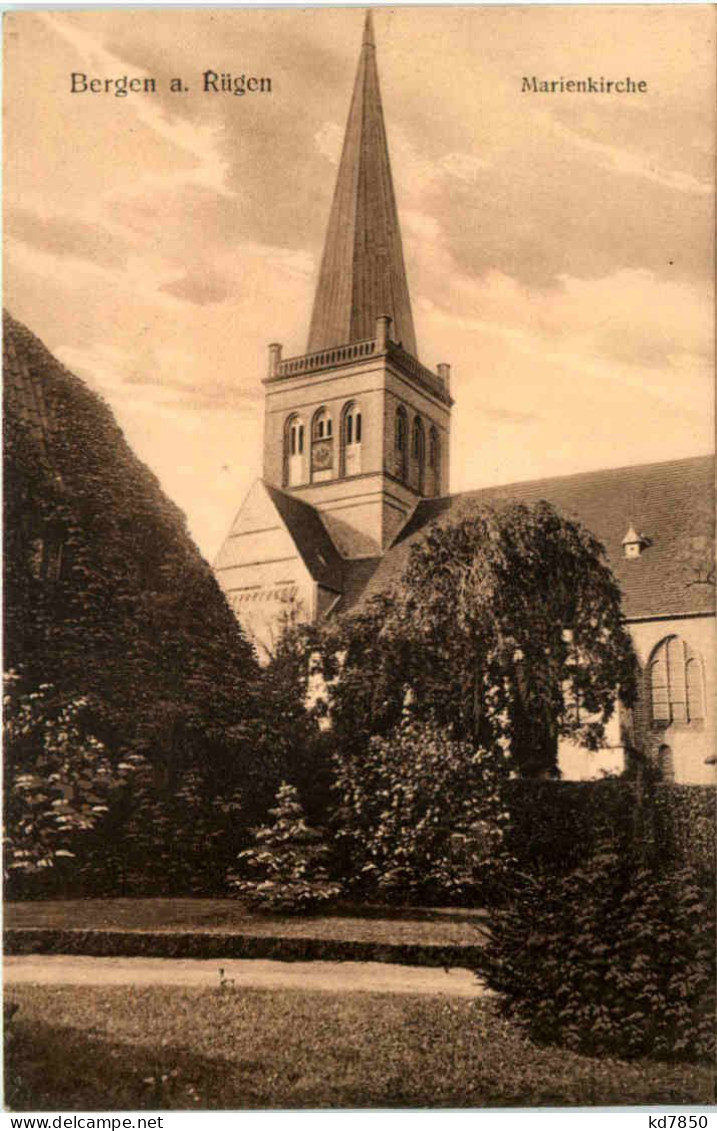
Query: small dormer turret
x=633, y=543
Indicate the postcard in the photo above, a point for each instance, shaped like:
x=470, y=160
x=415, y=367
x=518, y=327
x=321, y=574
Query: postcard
x=359, y=571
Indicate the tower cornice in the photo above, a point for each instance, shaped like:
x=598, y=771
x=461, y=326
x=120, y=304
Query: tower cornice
x=352, y=354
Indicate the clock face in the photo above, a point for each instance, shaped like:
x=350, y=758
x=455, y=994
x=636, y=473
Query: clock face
x=322, y=456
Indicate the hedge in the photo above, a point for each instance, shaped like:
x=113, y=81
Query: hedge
x=199, y=944
x=686, y=825
x=556, y=826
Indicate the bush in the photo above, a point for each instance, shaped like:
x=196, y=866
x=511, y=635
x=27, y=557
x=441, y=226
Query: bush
x=289, y=861
x=161, y=841
x=60, y=784
x=609, y=960
x=421, y=815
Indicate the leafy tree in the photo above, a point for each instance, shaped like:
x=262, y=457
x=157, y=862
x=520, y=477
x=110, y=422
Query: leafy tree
x=289, y=694
x=506, y=625
x=286, y=871
x=421, y=814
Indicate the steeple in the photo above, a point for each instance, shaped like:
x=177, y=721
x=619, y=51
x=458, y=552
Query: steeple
x=362, y=271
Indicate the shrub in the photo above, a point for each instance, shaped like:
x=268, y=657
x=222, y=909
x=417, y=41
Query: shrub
x=610, y=960
x=60, y=783
x=289, y=861
x=175, y=838
x=406, y=801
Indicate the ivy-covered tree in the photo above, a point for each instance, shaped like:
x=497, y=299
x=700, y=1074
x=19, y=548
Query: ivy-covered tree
x=108, y=600
x=506, y=625
x=286, y=870
x=107, y=595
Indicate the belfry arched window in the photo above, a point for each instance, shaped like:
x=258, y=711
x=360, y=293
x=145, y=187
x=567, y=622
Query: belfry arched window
x=323, y=427
x=675, y=683
x=418, y=454
x=322, y=446
x=294, y=452
x=351, y=439
x=401, y=442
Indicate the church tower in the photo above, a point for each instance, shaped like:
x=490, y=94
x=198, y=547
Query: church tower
x=357, y=427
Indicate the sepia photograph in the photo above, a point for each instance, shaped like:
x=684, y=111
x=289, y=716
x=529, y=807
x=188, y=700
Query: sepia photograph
x=359, y=575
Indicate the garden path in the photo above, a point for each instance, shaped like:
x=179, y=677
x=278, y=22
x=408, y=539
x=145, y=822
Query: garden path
x=257, y=973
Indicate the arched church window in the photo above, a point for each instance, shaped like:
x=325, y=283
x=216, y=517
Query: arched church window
x=294, y=462
x=352, y=434
x=353, y=424
x=418, y=453
x=695, y=700
x=675, y=683
x=434, y=460
x=401, y=442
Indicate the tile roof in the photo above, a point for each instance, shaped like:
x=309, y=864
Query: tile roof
x=671, y=504
x=311, y=538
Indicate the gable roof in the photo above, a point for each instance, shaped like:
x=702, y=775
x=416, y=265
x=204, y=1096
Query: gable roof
x=671, y=504
x=311, y=538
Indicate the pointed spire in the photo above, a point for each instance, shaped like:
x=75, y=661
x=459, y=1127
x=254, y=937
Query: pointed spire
x=362, y=271
x=368, y=40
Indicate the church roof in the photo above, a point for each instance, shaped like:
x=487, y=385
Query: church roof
x=362, y=271
x=671, y=503
x=311, y=538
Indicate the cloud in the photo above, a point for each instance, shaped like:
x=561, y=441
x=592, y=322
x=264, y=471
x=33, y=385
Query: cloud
x=507, y=415
x=329, y=140
x=636, y=164
x=202, y=288
x=632, y=318
x=65, y=236
x=197, y=141
x=464, y=166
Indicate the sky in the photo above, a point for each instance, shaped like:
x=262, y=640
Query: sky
x=559, y=247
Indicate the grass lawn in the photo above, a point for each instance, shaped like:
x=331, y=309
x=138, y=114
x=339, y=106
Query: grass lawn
x=363, y=924
x=113, y=1048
